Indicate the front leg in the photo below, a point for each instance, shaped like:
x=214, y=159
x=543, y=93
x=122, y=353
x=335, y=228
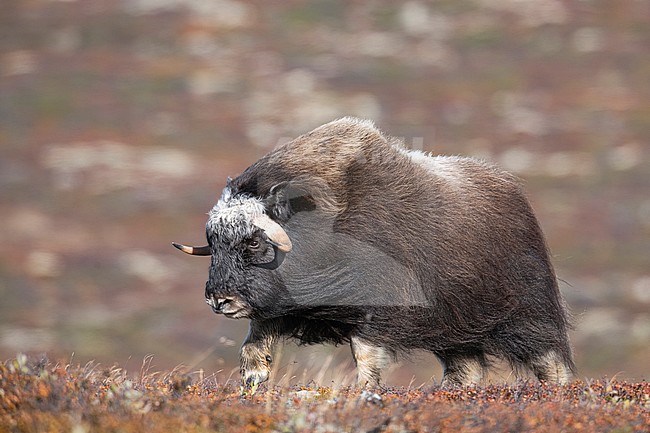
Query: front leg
x=255, y=356
x=371, y=360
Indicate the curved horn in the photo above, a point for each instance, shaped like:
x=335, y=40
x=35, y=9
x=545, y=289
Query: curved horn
x=274, y=231
x=194, y=251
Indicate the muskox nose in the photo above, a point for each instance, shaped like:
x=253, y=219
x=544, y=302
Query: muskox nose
x=218, y=304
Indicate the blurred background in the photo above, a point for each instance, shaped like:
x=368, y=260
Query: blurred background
x=120, y=120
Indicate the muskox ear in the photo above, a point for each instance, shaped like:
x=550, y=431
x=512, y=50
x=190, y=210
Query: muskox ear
x=288, y=198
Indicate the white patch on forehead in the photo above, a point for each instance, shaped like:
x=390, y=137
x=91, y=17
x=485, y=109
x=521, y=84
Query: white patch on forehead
x=232, y=216
x=232, y=210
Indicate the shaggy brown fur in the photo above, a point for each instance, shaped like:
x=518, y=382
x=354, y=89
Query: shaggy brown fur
x=393, y=250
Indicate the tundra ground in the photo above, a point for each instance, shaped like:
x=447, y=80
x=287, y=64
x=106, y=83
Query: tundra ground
x=40, y=396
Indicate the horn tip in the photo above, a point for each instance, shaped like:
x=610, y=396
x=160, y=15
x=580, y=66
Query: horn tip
x=193, y=251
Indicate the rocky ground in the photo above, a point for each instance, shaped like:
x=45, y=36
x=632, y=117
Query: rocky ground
x=37, y=396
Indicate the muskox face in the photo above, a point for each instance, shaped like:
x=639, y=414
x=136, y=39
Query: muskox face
x=245, y=244
x=257, y=271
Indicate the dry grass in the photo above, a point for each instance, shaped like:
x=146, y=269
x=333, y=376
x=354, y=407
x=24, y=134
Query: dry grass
x=39, y=396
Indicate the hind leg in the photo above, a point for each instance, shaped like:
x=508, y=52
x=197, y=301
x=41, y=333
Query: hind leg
x=462, y=370
x=551, y=367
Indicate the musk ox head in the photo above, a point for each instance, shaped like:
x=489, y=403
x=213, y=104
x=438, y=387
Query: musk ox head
x=245, y=244
x=326, y=269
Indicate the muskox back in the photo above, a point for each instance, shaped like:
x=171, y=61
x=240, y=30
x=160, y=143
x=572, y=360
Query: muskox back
x=396, y=250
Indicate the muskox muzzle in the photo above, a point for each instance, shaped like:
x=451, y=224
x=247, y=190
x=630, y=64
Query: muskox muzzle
x=231, y=307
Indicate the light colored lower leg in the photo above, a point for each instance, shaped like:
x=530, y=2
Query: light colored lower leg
x=254, y=364
x=551, y=368
x=255, y=356
x=371, y=361
x=462, y=372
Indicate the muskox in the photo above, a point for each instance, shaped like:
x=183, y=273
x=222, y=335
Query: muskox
x=344, y=236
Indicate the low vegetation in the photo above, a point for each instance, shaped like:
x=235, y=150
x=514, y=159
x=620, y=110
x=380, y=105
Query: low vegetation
x=41, y=396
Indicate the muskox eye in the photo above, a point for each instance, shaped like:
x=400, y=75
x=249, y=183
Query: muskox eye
x=254, y=245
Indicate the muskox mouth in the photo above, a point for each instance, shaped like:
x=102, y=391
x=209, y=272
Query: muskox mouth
x=230, y=307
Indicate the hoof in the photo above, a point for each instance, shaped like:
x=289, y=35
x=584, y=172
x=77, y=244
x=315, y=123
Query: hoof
x=253, y=378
